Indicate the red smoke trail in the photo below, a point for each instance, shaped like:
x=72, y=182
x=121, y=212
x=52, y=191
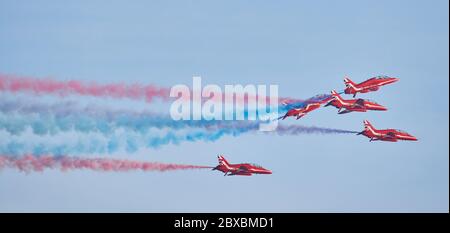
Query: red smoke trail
x=29, y=163
x=15, y=83
x=48, y=86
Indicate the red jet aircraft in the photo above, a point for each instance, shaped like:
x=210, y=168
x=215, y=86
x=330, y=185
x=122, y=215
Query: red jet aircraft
x=241, y=169
x=356, y=105
x=390, y=135
x=369, y=85
x=300, y=112
x=311, y=104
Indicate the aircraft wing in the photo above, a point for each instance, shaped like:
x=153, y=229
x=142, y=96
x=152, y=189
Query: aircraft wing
x=390, y=136
x=240, y=174
x=241, y=171
x=344, y=112
x=373, y=88
x=359, y=103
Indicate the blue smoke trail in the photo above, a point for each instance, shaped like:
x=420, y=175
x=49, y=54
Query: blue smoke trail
x=67, y=116
x=62, y=117
x=76, y=143
x=49, y=124
x=70, y=143
x=102, y=130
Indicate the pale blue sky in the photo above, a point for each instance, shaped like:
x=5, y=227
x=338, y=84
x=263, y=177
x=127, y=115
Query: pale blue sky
x=306, y=47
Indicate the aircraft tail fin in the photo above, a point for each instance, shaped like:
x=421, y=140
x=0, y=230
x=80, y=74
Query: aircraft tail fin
x=348, y=82
x=222, y=160
x=367, y=125
x=336, y=95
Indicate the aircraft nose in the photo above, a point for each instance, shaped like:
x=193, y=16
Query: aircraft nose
x=412, y=138
x=393, y=80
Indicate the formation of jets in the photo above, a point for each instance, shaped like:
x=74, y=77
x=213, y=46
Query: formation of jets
x=355, y=105
x=344, y=106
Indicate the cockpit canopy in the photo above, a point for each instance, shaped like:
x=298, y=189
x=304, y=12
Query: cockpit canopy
x=372, y=101
x=402, y=131
x=381, y=77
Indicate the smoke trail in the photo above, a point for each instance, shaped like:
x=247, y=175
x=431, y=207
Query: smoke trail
x=48, y=124
x=44, y=124
x=14, y=83
x=29, y=106
x=89, y=143
x=16, y=116
x=298, y=129
x=28, y=163
x=44, y=119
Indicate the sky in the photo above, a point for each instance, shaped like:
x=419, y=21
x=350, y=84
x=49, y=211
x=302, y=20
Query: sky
x=305, y=47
